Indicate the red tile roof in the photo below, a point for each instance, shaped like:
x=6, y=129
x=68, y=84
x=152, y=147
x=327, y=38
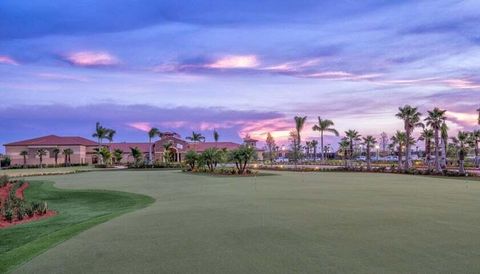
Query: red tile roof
x=53, y=140
x=202, y=146
x=126, y=146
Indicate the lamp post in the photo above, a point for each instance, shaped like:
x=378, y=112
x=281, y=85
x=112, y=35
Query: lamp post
x=377, y=148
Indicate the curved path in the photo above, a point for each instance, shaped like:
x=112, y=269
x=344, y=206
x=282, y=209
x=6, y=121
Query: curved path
x=290, y=223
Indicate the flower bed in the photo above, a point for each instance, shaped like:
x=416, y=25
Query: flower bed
x=222, y=171
x=13, y=207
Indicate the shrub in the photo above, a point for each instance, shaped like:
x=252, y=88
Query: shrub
x=20, y=213
x=29, y=210
x=4, y=180
x=8, y=214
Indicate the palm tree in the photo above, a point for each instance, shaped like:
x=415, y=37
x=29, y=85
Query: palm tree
x=55, y=152
x=40, y=153
x=109, y=135
x=100, y=133
x=167, y=156
x=344, y=146
x=118, y=155
x=475, y=135
x=195, y=138
x=314, y=144
x=435, y=119
x=24, y=154
x=461, y=142
x=151, y=134
x=411, y=119
x=216, y=136
x=324, y=125
x=399, y=140
x=444, y=137
x=67, y=152
x=369, y=142
x=299, y=124
x=426, y=136
x=308, y=146
x=136, y=154
x=352, y=136
x=478, y=120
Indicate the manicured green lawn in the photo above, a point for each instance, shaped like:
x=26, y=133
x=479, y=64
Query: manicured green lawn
x=79, y=210
x=21, y=172
x=289, y=223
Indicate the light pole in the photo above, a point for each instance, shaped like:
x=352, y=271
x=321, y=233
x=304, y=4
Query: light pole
x=377, y=147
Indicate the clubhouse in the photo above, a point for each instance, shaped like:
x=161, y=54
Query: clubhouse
x=84, y=149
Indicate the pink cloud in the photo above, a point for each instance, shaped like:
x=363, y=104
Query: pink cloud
x=143, y=126
x=341, y=75
x=57, y=76
x=8, y=60
x=235, y=62
x=293, y=66
x=90, y=58
x=462, y=84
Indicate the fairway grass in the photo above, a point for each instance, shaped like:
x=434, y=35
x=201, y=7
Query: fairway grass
x=289, y=223
x=22, y=172
x=78, y=211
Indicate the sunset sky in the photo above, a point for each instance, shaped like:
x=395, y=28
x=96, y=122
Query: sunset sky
x=237, y=66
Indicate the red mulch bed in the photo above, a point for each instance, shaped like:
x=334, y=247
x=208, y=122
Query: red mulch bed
x=19, y=193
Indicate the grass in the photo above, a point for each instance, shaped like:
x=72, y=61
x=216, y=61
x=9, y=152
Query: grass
x=23, y=172
x=290, y=223
x=78, y=211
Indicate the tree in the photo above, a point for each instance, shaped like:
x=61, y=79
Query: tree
x=435, y=119
x=151, y=134
x=475, y=137
x=216, y=136
x=399, y=140
x=195, y=138
x=136, y=154
x=100, y=133
x=67, y=153
x=299, y=124
x=118, y=155
x=242, y=156
x=55, y=152
x=344, y=146
x=411, y=119
x=192, y=158
x=105, y=154
x=426, y=136
x=271, y=148
x=24, y=154
x=461, y=143
x=110, y=134
x=314, y=144
x=324, y=125
x=167, y=154
x=40, y=153
x=308, y=146
x=352, y=136
x=369, y=142
x=211, y=156
x=444, y=137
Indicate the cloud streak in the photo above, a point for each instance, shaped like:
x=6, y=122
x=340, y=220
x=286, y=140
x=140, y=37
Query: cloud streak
x=91, y=59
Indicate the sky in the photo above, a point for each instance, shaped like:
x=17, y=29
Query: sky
x=241, y=67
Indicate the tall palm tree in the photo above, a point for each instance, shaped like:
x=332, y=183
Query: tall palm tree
x=216, y=136
x=109, y=136
x=314, y=144
x=324, y=125
x=55, y=152
x=461, y=143
x=40, y=153
x=136, y=154
x=411, y=119
x=426, y=136
x=299, y=124
x=24, y=154
x=308, y=146
x=475, y=135
x=478, y=120
x=196, y=138
x=344, y=146
x=399, y=140
x=352, y=136
x=100, y=133
x=151, y=134
x=369, y=142
x=444, y=137
x=67, y=153
x=435, y=119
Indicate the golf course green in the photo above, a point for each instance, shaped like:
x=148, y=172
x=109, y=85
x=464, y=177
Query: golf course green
x=285, y=223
